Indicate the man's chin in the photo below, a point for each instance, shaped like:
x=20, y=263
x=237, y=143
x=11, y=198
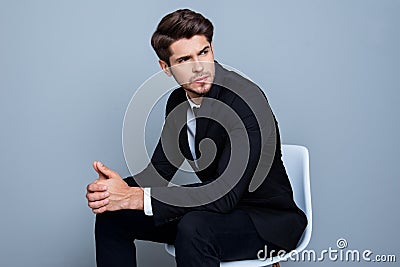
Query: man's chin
x=199, y=90
x=202, y=89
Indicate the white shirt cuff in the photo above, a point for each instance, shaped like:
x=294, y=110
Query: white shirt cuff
x=148, y=210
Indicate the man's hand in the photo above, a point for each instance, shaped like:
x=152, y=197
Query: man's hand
x=109, y=192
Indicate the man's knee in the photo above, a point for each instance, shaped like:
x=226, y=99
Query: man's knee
x=103, y=224
x=111, y=223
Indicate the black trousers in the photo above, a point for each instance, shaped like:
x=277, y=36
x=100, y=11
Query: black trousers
x=200, y=238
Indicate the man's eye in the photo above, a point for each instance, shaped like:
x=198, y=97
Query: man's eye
x=204, y=52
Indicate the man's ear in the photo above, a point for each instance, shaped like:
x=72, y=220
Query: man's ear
x=164, y=66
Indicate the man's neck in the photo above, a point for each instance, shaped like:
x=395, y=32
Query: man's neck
x=195, y=98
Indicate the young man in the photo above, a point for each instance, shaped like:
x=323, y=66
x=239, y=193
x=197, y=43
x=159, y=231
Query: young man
x=244, y=200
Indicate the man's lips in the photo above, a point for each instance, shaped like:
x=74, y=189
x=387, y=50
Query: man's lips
x=201, y=79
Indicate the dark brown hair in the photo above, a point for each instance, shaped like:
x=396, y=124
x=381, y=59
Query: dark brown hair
x=183, y=23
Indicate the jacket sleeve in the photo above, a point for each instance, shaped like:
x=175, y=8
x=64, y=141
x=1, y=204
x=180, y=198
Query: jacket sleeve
x=166, y=157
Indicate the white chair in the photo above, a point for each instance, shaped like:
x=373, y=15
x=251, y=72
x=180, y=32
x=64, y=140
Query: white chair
x=296, y=161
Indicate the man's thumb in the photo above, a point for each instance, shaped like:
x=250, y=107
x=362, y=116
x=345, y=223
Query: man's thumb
x=103, y=171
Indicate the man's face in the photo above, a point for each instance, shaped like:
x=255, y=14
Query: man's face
x=192, y=64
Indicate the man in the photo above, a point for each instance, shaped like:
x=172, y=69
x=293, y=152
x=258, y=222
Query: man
x=244, y=200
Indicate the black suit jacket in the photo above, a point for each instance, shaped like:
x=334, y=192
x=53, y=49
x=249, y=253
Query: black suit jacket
x=271, y=206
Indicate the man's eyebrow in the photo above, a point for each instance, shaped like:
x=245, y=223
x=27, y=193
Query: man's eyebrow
x=187, y=57
x=205, y=48
x=183, y=58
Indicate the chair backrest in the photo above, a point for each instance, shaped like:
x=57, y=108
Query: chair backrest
x=296, y=161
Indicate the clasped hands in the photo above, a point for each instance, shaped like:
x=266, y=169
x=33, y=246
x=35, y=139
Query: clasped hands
x=110, y=193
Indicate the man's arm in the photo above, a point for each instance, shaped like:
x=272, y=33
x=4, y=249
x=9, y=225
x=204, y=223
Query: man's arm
x=116, y=192
x=233, y=162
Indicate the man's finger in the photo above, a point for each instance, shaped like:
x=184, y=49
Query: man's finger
x=95, y=187
x=98, y=204
x=100, y=210
x=96, y=196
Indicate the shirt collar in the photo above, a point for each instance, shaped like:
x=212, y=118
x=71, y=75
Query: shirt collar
x=191, y=103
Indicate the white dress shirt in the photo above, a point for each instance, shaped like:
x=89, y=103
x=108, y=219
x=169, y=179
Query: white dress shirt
x=191, y=132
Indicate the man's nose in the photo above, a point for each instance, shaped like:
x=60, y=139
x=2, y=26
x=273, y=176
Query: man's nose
x=197, y=66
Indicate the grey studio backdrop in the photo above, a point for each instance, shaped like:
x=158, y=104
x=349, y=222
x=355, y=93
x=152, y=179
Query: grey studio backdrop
x=69, y=68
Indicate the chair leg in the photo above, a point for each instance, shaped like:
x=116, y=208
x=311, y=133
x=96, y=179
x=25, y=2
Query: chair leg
x=276, y=264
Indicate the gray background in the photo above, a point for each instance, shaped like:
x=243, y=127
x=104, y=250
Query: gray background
x=69, y=68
